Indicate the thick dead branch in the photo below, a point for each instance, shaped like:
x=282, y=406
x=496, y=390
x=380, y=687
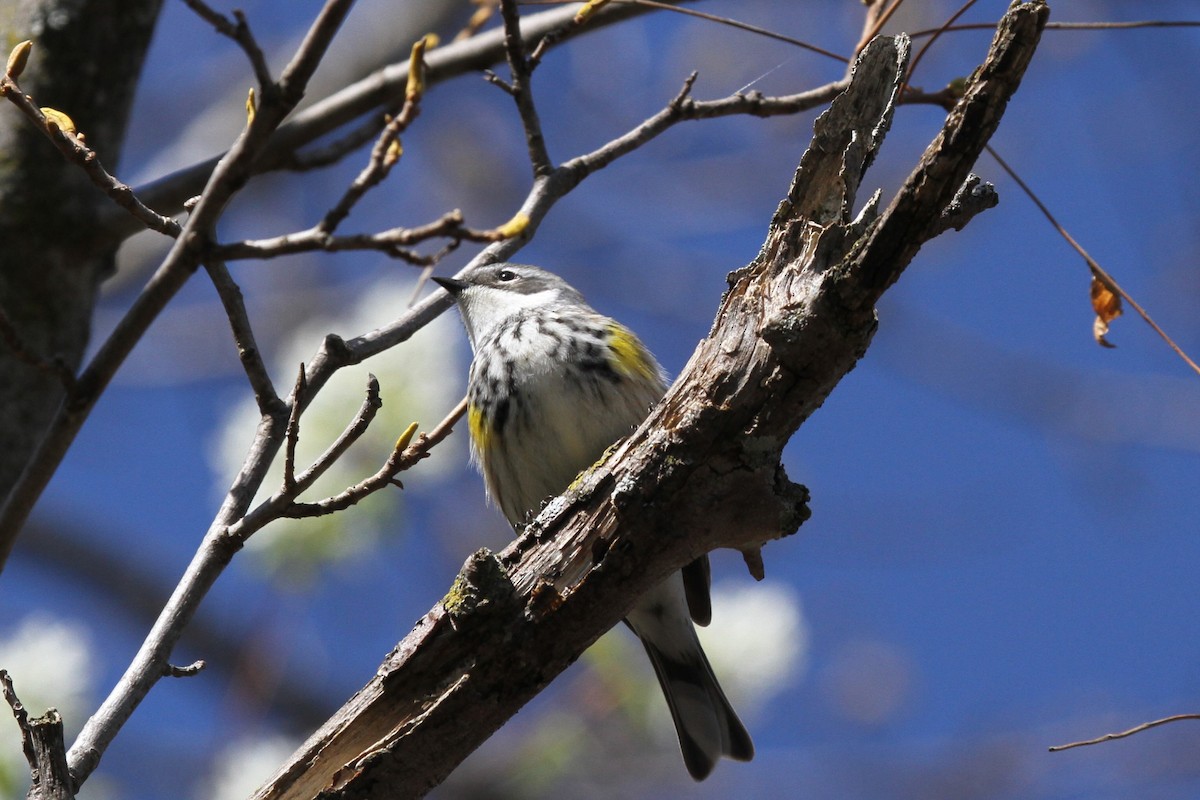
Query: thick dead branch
x=702, y=472
x=52, y=778
x=43, y=746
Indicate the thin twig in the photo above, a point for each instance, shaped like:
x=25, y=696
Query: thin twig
x=555, y=36
x=384, y=155
x=21, y=716
x=387, y=150
x=71, y=144
x=912, y=67
x=293, y=433
x=683, y=108
x=243, y=335
x=339, y=148
x=498, y=82
x=392, y=241
x=1095, y=267
x=521, y=72
x=875, y=20
x=745, y=26
x=366, y=96
x=351, y=434
x=239, y=32
x=1067, y=26
x=403, y=457
x=1108, y=737
x=872, y=28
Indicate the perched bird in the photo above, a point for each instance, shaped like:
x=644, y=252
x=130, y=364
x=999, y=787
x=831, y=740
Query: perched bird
x=554, y=383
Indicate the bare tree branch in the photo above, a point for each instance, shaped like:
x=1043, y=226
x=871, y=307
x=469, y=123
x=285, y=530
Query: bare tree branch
x=21, y=716
x=353, y=432
x=183, y=259
x=52, y=779
x=59, y=129
x=404, y=456
x=1108, y=737
x=243, y=336
x=521, y=71
x=733, y=23
x=226, y=180
x=1098, y=272
x=387, y=148
x=42, y=743
x=382, y=89
x=239, y=32
x=133, y=589
x=191, y=670
x=392, y=242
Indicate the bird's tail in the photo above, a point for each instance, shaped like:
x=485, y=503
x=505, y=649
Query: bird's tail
x=707, y=726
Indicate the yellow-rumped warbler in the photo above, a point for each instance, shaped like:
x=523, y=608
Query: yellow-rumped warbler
x=552, y=385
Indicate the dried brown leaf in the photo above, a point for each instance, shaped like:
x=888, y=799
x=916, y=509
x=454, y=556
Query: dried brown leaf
x=1107, y=305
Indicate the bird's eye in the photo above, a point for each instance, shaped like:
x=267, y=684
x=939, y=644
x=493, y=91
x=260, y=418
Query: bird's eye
x=506, y=275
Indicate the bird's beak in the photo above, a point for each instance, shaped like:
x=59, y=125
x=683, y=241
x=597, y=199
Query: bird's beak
x=451, y=285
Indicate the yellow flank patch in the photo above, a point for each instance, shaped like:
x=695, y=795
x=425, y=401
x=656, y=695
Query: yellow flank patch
x=630, y=357
x=478, y=425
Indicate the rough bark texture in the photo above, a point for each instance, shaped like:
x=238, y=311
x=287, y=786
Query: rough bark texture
x=702, y=472
x=51, y=779
x=85, y=62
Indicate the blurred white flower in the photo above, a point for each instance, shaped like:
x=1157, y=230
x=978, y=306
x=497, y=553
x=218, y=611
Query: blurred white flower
x=245, y=765
x=49, y=660
x=757, y=642
x=420, y=381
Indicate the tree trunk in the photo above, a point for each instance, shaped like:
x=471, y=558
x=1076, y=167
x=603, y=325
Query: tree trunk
x=85, y=63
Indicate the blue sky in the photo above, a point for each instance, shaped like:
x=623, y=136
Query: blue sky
x=1001, y=551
